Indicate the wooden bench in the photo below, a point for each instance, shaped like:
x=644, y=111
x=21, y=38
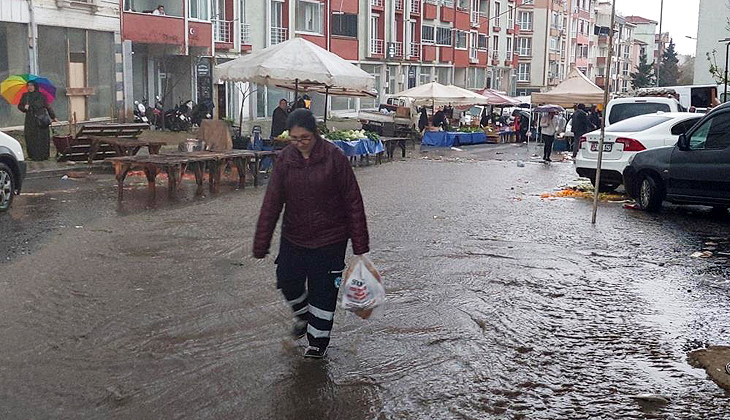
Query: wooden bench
x=123, y=146
x=177, y=163
x=78, y=147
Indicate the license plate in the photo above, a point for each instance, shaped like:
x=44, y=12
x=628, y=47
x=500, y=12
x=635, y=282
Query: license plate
x=607, y=147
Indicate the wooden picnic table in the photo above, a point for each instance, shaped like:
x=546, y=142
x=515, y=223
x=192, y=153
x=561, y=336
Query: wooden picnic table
x=391, y=143
x=175, y=164
x=124, y=146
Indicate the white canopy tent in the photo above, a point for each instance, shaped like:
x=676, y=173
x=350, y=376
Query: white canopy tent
x=299, y=65
x=435, y=94
x=575, y=89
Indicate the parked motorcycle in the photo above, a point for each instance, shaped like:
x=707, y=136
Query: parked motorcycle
x=140, y=112
x=178, y=118
x=203, y=110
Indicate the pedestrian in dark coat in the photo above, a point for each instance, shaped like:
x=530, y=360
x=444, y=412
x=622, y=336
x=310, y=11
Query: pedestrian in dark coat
x=36, y=132
x=314, y=183
x=594, y=117
x=278, y=120
x=581, y=125
x=423, y=120
x=439, y=119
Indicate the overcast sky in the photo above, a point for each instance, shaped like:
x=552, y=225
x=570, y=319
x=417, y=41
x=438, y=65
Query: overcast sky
x=680, y=18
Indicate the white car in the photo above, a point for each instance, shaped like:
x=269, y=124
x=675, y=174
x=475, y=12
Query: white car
x=627, y=138
x=12, y=170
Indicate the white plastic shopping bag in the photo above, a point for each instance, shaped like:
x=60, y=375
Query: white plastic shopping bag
x=364, y=289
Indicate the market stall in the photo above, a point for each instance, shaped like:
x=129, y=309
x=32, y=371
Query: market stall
x=299, y=65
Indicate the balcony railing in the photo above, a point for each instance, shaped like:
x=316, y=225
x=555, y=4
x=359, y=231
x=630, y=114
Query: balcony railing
x=415, y=7
x=495, y=55
x=415, y=50
x=398, y=49
x=399, y=5
x=377, y=3
x=508, y=56
x=510, y=24
x=475, y=17
x=473, y=54
x=223, y=31
x=376, y=47
x=245, y=34
x=278, y=35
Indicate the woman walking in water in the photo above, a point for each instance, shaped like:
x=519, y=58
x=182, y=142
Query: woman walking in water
x=314, y=183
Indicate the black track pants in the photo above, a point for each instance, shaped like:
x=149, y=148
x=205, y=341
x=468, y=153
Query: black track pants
x=310, y=281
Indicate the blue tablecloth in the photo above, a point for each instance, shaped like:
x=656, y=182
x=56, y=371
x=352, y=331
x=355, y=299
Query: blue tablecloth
x=452, y=139
x=360, y=147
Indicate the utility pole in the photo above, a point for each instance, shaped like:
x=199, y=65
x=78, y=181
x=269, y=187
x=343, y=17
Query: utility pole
x=606, y=89
x=661, y=40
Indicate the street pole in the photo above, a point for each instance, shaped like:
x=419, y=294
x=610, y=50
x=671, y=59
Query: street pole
x=727, y=51
x=606, y=89
x=661, y=39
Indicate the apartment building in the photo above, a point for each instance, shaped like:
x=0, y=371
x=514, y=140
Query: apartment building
x=624, y=59
x=502, y=74
x=712, y=27
x=645, y=31
x=583, y=40
x=170, y=53
x=72, y=43
x=542, y=42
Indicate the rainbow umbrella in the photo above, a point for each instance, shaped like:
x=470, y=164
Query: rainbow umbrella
x=13, y=88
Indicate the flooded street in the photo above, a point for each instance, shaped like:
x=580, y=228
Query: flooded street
x=501, y=304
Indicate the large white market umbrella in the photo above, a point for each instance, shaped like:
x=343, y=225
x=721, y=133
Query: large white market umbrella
x=297, y=62
x=436, y=94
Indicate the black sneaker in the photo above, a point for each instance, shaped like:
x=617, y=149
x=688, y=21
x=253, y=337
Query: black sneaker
x=315, y=352
x=299, y=329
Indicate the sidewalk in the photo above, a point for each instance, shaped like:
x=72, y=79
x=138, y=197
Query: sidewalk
x=51, y=168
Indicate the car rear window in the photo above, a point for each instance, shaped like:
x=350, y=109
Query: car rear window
x=620, y=112
x=640, y=123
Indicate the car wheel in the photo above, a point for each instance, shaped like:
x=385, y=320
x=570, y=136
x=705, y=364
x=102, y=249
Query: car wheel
x=650, y=194
x=7, y=187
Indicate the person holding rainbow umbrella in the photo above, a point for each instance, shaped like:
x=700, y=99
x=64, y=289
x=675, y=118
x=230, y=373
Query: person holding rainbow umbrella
x=33, y=96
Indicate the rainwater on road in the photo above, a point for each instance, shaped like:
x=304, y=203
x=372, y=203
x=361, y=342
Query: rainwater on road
x=501, y=304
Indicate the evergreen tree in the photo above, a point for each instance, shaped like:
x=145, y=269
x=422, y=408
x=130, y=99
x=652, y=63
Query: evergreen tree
x=669, y=68
x=644, y=75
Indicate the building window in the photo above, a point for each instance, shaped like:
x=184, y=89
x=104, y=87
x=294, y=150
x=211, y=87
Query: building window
x=523, y=72
x=482, y=45
x=554, y=43
x=509, y=48
x=461, y=40
x=444, y=36
x=497, y=14
x=525, y=21
x=200, y=9
x=425, y=75
x=625, y=86
x=344, y=25
x=625, y=71
x=524, y=47
x=528, y=1
x=309, y=16
x=427, y=34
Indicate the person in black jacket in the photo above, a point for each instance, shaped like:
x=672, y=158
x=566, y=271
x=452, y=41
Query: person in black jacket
x=423, y=120
x=581, y=126
x=439, y=119
x=278, y=120
x=36, y=132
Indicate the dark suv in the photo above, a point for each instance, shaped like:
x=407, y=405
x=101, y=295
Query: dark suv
x=694, y=171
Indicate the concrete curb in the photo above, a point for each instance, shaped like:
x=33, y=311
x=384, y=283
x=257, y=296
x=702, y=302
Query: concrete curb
x=96, y=168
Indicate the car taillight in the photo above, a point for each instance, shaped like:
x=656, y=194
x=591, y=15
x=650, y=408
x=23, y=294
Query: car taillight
x=582, y=141
x=630, y=145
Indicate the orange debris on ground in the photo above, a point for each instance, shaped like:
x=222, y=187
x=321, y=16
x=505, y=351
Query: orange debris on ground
x=575, y=193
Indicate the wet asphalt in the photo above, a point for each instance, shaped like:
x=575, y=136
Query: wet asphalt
x=501, y=304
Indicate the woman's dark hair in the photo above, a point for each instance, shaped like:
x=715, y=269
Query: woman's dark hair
x=31, y=82
x=303, y=118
